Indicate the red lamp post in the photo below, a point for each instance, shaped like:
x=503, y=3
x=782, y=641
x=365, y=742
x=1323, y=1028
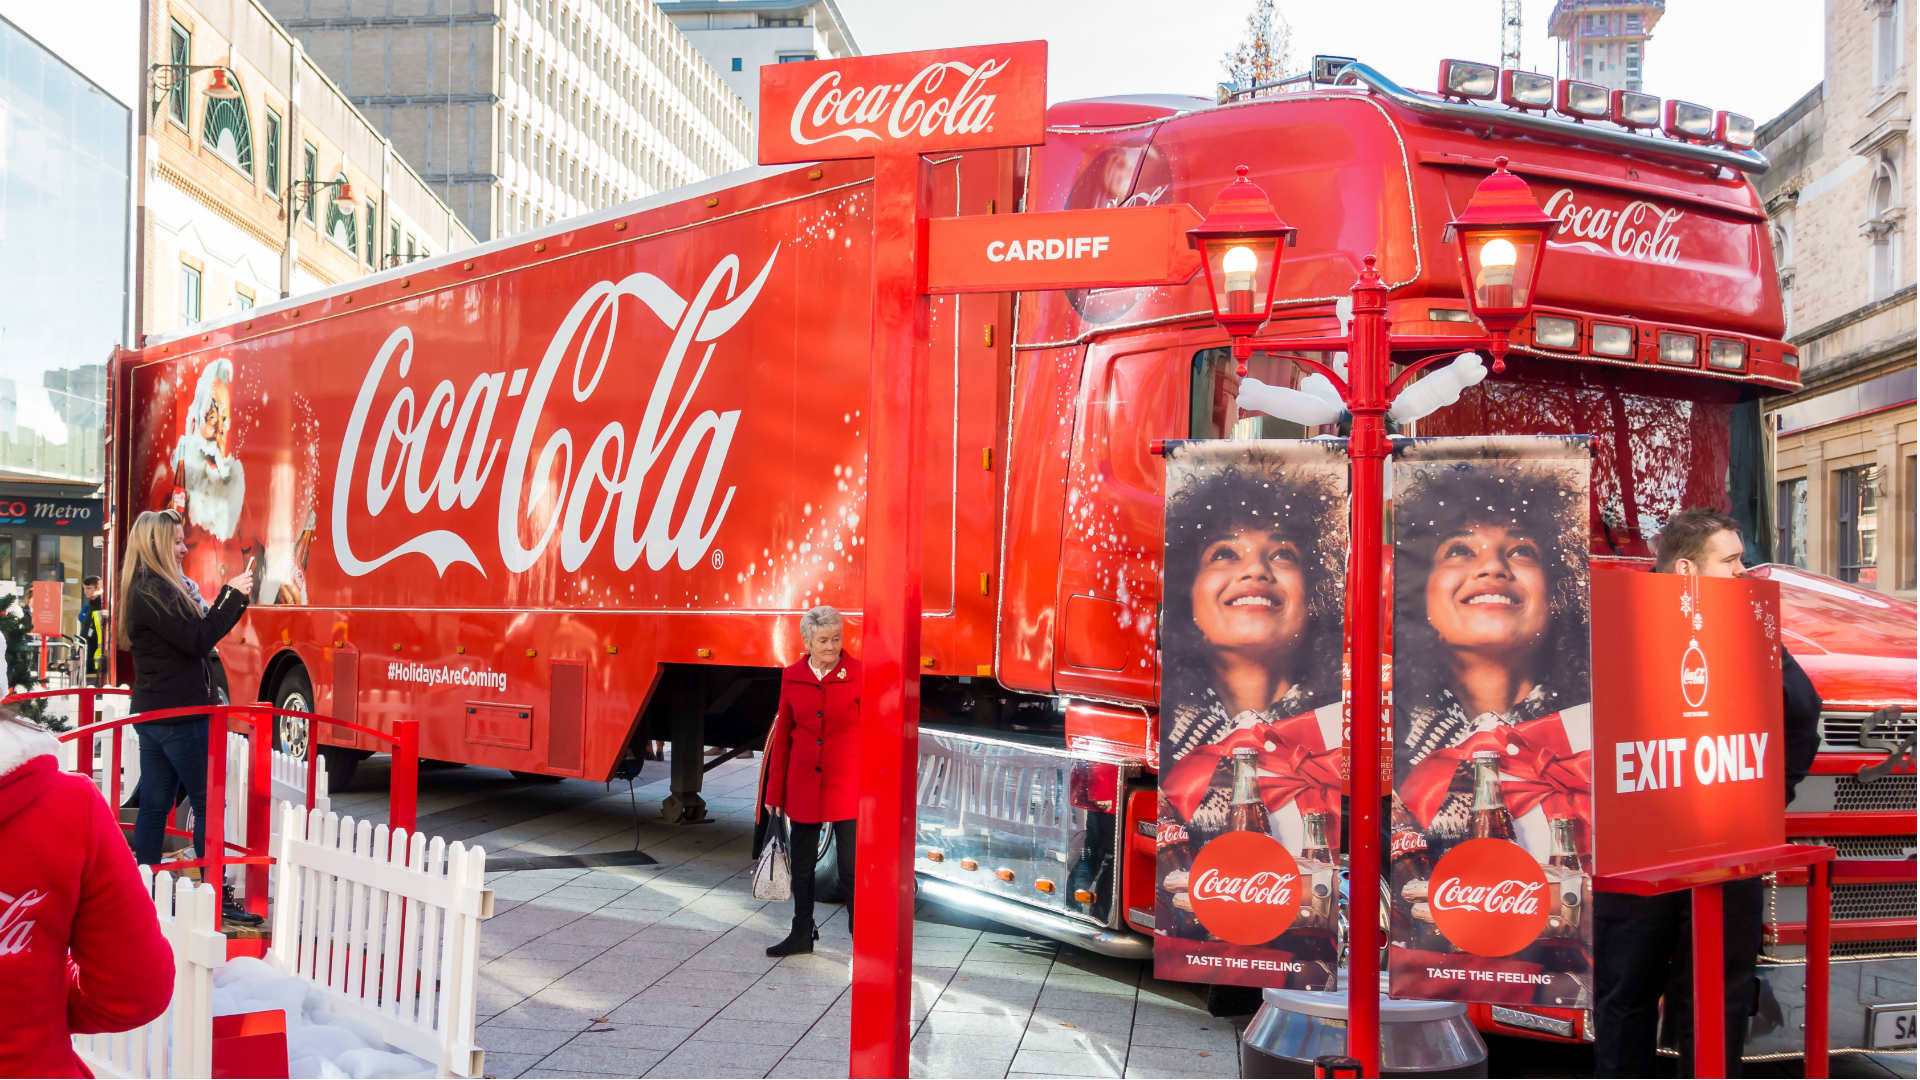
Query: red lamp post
x=1502, y=237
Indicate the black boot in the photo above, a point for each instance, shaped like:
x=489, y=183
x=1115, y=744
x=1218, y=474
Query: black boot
x=231, y=910
x=798, y=943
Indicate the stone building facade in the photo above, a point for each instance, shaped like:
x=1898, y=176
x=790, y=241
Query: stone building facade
x=226, y=220
x=521, y=112
x=1839, y=194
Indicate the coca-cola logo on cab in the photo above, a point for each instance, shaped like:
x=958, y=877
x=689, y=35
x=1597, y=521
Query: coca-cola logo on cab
x=1489, y=897
x=1638, y=230
x=1245, y=888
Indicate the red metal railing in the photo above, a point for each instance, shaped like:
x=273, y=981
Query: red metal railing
x=253, y=721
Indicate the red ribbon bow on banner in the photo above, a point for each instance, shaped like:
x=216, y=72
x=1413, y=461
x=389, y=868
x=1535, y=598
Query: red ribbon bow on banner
x=1293, y=770
x=1537, y=766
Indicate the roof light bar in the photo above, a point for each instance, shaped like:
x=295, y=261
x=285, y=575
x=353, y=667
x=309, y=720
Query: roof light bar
x=1526, y=90
x=1582, y=100
x=1466, y=79
x=1685, y=120
x=1730, y=129
x=1635, y=110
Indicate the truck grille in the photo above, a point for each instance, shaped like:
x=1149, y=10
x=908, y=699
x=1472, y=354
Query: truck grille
x=1886, y=793
x=1841, y=731
x=1889, y=900
x=1841, y=950
x=1863, y=847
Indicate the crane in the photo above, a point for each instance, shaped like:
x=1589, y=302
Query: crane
x=1510, y=33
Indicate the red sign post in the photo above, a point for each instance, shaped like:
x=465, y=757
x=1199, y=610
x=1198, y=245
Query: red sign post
x=47, y=598
x=893, y=108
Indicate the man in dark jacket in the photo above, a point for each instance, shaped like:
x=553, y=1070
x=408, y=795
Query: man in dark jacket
x=1643, y=944
x=93, y=629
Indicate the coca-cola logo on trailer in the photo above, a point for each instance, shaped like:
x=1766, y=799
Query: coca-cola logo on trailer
x=579, y=489
x=1245, y=888
x=1489, y=897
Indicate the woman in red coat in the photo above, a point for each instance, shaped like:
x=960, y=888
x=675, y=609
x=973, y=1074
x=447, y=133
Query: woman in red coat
x=813, y=764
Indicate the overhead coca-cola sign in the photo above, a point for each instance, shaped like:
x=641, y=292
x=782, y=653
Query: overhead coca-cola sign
x=1638, y=229
x=944, y=99
x=1245, y=888
x=1489, y=897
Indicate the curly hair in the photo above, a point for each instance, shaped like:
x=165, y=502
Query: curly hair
x=1243, y=489
x=1545, y=500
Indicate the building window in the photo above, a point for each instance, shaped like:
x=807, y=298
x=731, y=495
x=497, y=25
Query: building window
x=342, y=226
x=189, y=294
x=736, y=63
x=273, y=152
x=1883, y=231
x=1857, y=518
x=179, y=49
x=393, y=243
x=310, y=172
x=412, y=248
x=795, y=58
x=782, y=20
x=373, y=234
x=1886, y=41
x=242, y=299
x=1790, y=517
x=224, y=128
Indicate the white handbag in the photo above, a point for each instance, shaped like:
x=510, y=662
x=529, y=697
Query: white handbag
x=773, y=874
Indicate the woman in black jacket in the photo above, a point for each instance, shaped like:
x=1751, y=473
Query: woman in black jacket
x=171, y=633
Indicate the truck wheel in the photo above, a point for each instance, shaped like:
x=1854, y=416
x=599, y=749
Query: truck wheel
x=295, y=692
x=826, y=874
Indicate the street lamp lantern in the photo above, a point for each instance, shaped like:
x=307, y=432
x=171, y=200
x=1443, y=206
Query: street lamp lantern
x=345, y=201
x=1239, y=246
x=222, y=88
x=1501, y=234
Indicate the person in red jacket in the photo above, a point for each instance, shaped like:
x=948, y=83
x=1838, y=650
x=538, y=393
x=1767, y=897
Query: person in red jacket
x=80, y=945
x=813, y=764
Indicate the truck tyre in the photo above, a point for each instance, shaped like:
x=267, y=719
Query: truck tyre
x=290, y=733
x=826, y=876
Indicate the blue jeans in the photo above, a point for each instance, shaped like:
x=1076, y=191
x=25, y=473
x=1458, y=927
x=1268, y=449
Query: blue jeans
x=172, y=756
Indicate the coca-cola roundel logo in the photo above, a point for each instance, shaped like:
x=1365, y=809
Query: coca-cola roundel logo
x=1693, y=675
x=1489, y=897
x=1245, y=888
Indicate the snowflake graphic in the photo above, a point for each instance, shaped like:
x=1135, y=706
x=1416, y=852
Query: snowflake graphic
x=1696, y=622
x=1686, y=604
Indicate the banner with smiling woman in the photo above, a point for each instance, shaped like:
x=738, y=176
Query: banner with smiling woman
x=1251, y=754
x=1491, y=840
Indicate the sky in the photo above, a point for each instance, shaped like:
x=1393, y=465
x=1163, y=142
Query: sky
x=1755, y=57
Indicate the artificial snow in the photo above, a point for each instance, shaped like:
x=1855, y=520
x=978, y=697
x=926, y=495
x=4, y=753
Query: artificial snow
x=319, y=1044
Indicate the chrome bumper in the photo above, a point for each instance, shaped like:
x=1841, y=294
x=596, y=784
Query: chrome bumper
x=1854, y=985
x=1121, y=943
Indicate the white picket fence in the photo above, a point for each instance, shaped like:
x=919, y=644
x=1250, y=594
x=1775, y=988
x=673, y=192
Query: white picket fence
x=288, y=783
x=394, y=939
x=392, y=932
x=180, y=1042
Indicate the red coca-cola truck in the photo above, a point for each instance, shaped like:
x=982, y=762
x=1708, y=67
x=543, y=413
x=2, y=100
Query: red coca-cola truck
x=567, y=492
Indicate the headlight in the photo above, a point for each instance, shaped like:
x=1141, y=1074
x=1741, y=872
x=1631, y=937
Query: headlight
x=1612, y=340
x=1726, y=354
x=1583, y=100
x=1526, y=89
x=1550, y=332
x=1678, y=349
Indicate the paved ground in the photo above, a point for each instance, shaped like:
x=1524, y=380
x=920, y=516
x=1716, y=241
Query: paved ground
x=659, y=970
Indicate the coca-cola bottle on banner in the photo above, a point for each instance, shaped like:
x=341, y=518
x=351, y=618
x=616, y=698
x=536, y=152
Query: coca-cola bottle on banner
x=1490, y=817
x=1410, y=867
x=1248, y=813
x=1314, y=938
x=1569, y=886
x=1175, y=863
